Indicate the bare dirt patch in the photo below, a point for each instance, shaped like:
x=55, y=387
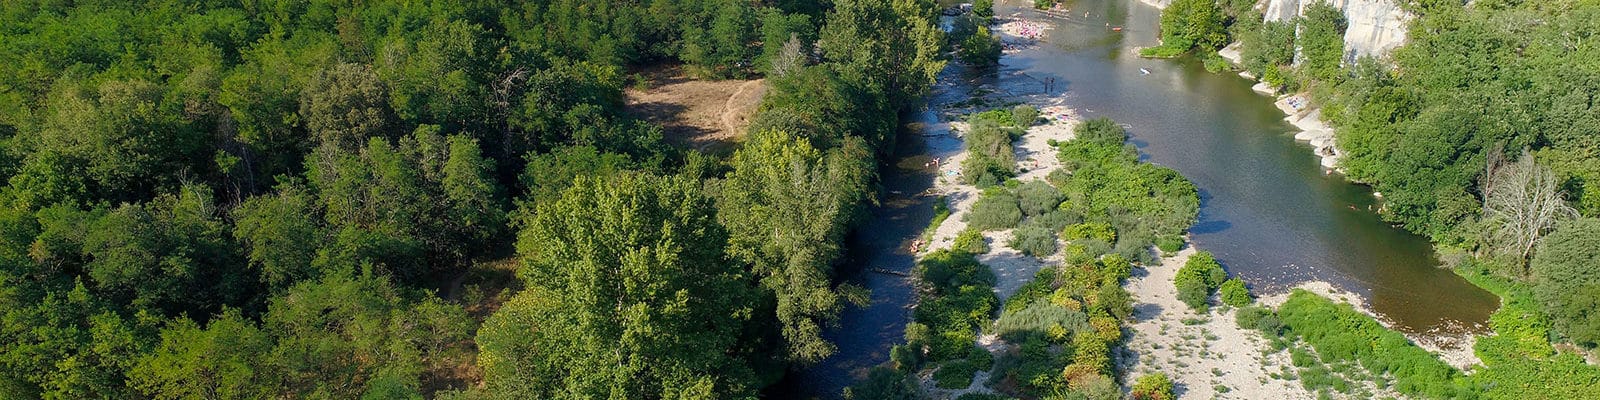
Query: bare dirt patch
x=695, y=113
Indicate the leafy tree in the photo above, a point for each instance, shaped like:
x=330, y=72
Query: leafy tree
x=173, y=255
x=629, y=294
x=786, y=206
x=891, y=46
x=282, y=232
x=1321, y=41
x=1568, y=285
x=1190, y=24
x=345, y=105
x=981, y=48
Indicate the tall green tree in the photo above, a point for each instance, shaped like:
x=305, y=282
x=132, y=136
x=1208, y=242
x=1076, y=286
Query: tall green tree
x=629, y=296
x=787, y=206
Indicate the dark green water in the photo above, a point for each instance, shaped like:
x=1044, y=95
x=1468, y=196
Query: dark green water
x=1268, y=210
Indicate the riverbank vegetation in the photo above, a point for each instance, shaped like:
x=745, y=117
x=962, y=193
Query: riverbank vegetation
x=1056, y=334
x=1477, y=133
x=310, y=199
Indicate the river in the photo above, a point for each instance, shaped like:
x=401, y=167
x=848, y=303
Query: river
x=1269, y=212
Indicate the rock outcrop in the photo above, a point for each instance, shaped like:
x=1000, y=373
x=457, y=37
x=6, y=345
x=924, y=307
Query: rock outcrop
x=1376, y=26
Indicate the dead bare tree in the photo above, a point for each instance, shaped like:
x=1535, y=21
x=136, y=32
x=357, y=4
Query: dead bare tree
x=1523, y=201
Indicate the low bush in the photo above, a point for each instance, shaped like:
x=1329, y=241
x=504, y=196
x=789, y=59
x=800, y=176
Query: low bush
x=1260, y=319
x=955, y=374
x=1037, y=197
x=1033, y=240
x=1024, y=115
x=981, y=49
x=1234, y=293
x=970, y=241
x=961, y=300
x=1086, y=230
x=1153, y=387
x=996, y=210
x=1038, y=318
x=1197, y=279
x=1169, y=243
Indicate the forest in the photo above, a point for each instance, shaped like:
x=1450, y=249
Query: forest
x=1479, y=133
x=325, y=199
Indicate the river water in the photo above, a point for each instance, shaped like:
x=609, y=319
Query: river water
x=1268, y=211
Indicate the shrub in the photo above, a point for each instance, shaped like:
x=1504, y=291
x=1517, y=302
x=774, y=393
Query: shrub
x=997, y=209
x=1197, y=279
x=955, y=374
x=1115, y=300
x=1033, y=240
x=971, y=241
x=1191, y=290
x=1044, y=4
x=1340, y=334
x=1037, y=197
x=885, y=384
x=1037, y=319
x=1259, y=318
x=1153, y=387
x=1116, y=267
x=1234, y=293
x=1169, y=243
x=1024, y=115
x=1096, y=230
x=1100, y=131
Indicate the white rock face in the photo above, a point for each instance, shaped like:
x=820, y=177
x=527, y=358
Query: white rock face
x=1161, y=4
x=1376, y=26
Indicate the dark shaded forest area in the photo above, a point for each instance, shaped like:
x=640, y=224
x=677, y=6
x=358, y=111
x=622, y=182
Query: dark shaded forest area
x=282, y=199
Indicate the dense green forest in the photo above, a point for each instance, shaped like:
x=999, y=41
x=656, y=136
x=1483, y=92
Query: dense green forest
x=1481, y=133
x=306, y=198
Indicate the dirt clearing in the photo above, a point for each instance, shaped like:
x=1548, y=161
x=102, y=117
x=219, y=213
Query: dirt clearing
x=694, y=113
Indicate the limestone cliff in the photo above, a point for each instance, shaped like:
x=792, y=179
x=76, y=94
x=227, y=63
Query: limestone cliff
x=1376, y=26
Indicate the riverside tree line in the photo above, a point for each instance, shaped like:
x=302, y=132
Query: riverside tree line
x=269, y=199
x=1480, y=133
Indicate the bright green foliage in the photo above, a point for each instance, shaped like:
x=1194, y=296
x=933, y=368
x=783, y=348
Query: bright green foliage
x=1339, y=333
x=1190, y=24
x=981, y=48
x=984, y=9
x=1568, y=284
x=629, y=294
x=990, y=158
x=1268, y=49
x=1233, y=293
x=1321, y=41
x=547, y=175
x=786, y=205
x=282, y=232
x=341, y=337
x=996, y=210
x=1519, y=359
x=1107, y=184
x=892, y=47
x=1153, y=387
x=1090, y=230
x=971, y=241
x=1199, y=277
x=371, y=200
x=960, y=301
